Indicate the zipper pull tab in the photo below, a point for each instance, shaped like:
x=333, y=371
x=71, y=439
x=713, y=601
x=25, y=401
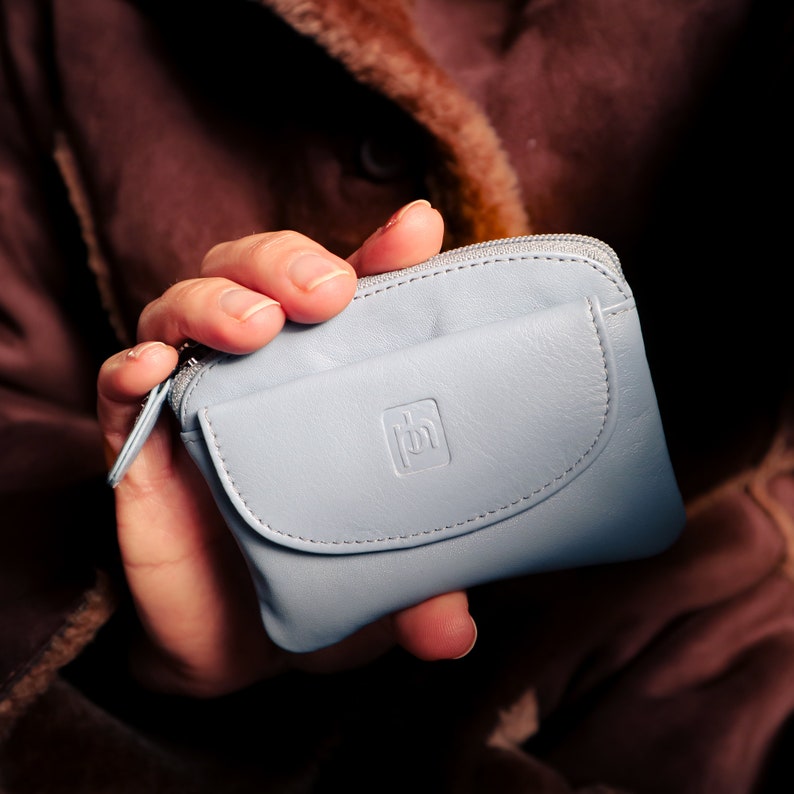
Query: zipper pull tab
x=144, y=423
x=190, y=353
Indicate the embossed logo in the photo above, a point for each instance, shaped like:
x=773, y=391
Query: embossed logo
x=416, y=437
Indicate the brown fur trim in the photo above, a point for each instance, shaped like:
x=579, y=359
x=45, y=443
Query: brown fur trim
x=67, y=163
x=516, y=724
x=477, y=187
x=77, y=631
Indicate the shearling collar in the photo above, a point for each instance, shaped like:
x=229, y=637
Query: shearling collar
x=380, y=45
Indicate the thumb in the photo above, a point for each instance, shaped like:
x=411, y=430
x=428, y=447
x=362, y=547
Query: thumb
x=414, y=233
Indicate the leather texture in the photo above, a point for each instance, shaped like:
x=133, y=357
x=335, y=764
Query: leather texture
x=486, y=414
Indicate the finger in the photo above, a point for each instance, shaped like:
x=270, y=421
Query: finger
x=439, y=628
x=310, y=282
x=214, y=311
x=122, y=383
x=188, y=581
x=414, y=233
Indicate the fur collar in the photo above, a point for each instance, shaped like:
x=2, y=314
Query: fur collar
x=379, y=44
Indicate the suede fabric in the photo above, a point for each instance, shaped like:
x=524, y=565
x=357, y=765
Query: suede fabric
x=134, y=135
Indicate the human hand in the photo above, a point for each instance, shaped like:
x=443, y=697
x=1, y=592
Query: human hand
x=201, y=630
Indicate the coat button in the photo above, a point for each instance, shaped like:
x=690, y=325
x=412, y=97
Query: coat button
x=384, y=157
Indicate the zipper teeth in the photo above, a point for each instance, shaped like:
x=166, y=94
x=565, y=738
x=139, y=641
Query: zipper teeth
x=580, y=244
x=184, y=374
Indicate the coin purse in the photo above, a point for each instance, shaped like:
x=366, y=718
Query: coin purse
x=486, y=414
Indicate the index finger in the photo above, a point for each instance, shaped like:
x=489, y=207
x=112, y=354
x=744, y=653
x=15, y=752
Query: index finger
x=309, y=282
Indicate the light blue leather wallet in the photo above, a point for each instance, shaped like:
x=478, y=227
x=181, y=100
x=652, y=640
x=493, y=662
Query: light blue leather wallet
x=486, y=414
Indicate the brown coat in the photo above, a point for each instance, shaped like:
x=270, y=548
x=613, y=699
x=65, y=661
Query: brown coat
x=135, y=135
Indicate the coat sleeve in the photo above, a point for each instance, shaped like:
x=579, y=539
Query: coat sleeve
x=53, y=334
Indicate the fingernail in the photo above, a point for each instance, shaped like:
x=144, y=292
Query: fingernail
x=310, y=270
x=473, y=642
x=403, y=211
x=143, y=348
x=243, y=303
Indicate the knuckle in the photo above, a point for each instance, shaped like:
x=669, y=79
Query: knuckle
x=216, y=252
x=188, y=290
x=256, y=251
x=265, y=245
x=165, y=316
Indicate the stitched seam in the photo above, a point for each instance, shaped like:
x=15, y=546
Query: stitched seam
x=494, y=260
x=621, y=310
x=779, y=517
x=28, y=682
x=778, y=460
x=427, y=532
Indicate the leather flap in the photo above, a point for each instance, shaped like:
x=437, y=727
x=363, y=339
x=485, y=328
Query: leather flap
x=431, y=441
